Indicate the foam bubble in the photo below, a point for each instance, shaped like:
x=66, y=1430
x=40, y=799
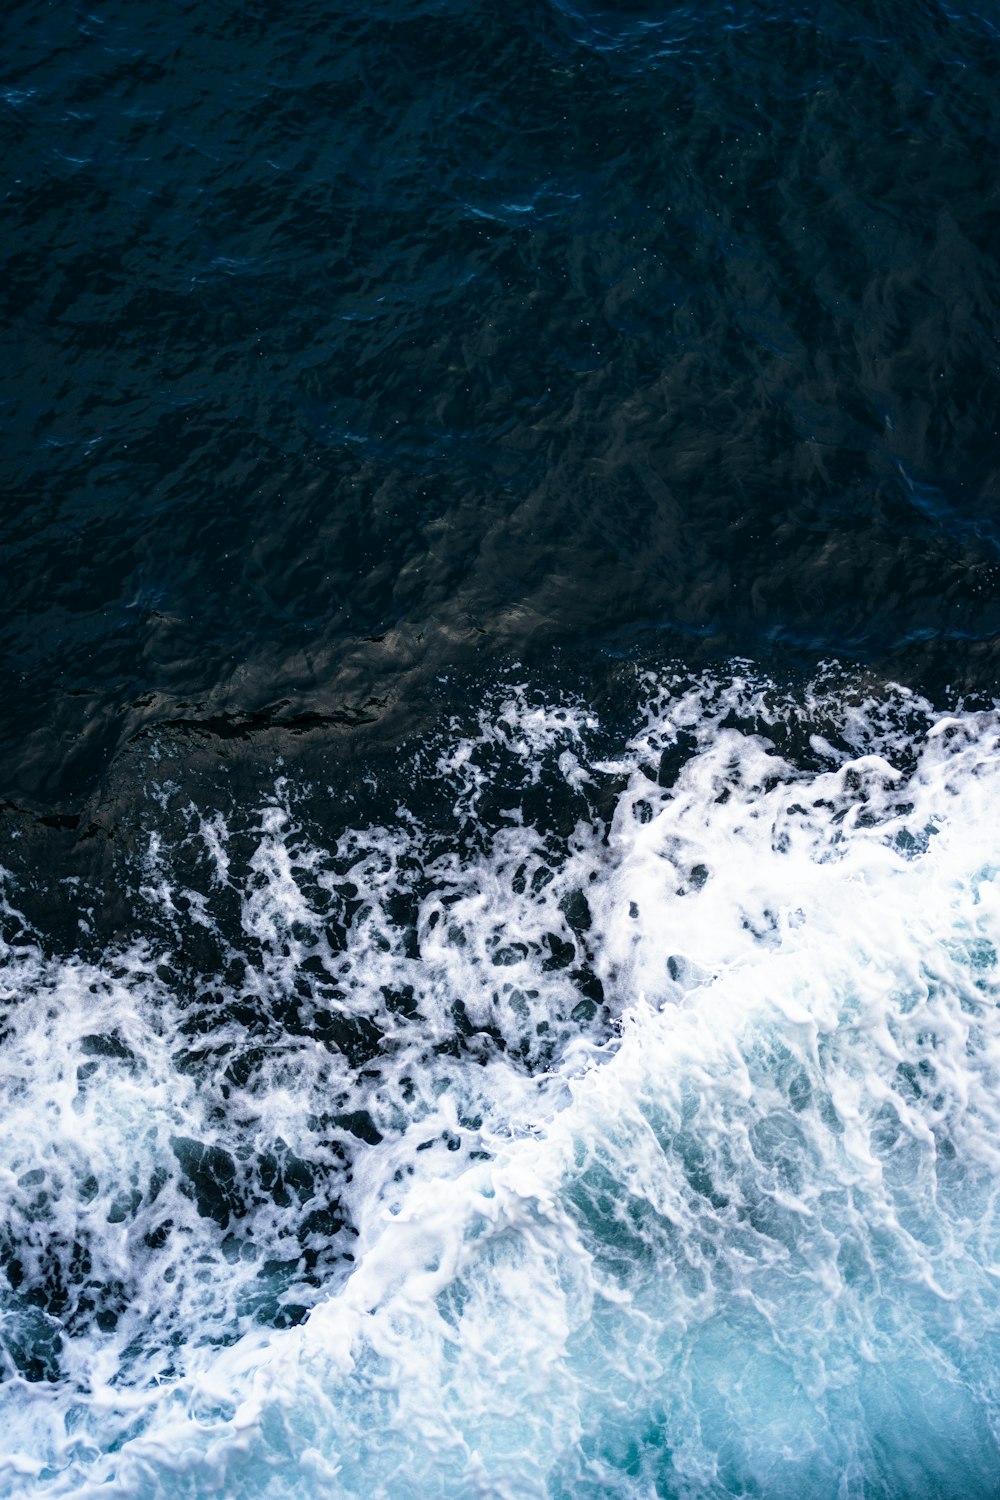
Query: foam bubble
x=661, y=1127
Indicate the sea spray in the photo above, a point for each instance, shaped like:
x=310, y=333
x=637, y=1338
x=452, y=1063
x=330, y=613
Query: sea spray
x=631, y=1129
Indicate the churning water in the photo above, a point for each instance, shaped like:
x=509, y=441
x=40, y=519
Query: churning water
x=646, y=1146
x=499, y=755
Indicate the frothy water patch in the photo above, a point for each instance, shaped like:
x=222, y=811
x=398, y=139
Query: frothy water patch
x=630, y=1129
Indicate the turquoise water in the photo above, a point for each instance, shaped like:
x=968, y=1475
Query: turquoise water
x=730, y=1232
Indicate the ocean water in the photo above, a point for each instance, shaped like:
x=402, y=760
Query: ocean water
x=500, y=752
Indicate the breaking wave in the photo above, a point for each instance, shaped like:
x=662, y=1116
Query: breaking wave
x=627, y=1122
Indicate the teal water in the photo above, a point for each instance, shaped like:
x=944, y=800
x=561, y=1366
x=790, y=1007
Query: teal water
x=728, y=1227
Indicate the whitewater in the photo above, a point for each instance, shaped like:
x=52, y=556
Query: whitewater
x=631, y=1127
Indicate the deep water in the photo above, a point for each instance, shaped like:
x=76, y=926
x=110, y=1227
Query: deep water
x=499, y=762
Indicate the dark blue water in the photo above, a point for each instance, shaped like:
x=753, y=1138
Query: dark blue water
x=476, y=477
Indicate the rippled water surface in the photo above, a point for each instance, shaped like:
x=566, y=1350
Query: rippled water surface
x=499, y=764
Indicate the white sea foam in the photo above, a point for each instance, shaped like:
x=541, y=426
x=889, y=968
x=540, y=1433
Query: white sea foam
x=728, y=1230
